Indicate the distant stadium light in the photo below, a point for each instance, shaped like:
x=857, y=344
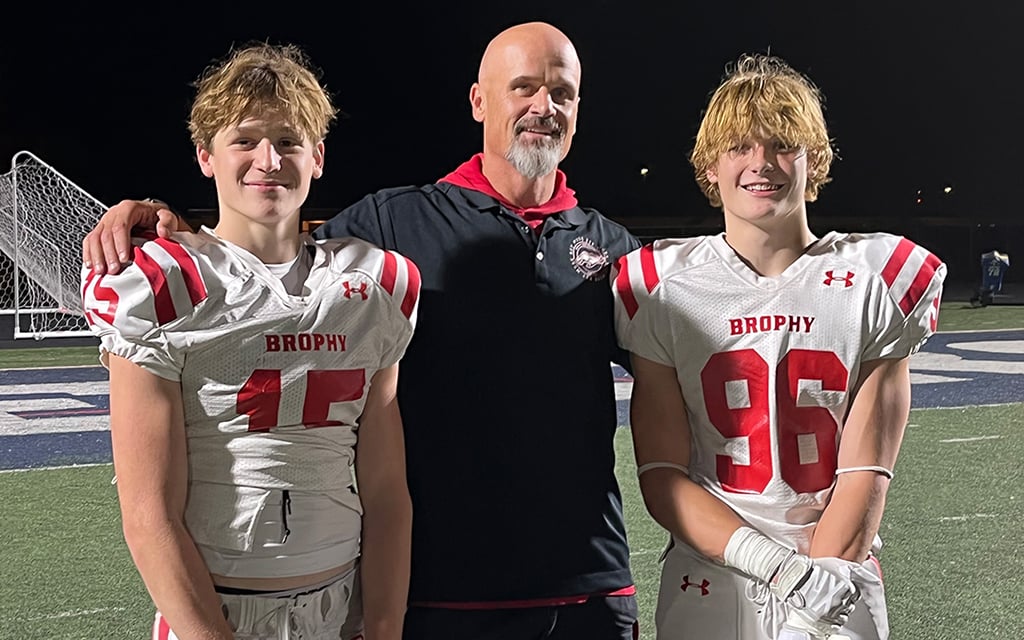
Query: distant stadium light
x=643, y=171
x=947, y=189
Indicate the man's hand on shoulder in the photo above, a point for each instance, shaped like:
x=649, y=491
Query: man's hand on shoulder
x=108, y=247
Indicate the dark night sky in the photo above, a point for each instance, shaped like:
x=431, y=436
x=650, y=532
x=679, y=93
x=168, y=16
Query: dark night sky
x=917, y=96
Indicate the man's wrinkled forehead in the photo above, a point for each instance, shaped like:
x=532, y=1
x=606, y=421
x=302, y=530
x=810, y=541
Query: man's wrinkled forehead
x=531, y=58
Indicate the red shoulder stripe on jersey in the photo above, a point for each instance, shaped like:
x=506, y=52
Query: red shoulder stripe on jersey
x=625, y=288
x=158, y=283
x=896, y=261
x=647, y=267
x=390, y=273
x=920, y=284
x=412, y=289
x=189, y=272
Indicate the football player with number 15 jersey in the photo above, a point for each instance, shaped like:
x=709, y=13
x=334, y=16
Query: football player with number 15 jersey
x=771, y=380
x=250, y=368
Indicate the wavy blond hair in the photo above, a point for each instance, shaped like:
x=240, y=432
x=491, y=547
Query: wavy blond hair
x=762, y=96
x=254, y=80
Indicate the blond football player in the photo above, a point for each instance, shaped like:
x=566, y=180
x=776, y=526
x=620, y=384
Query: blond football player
x=772, y=380
x=250, y=368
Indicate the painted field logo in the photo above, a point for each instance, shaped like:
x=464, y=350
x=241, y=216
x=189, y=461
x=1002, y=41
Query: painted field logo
x=588, y=259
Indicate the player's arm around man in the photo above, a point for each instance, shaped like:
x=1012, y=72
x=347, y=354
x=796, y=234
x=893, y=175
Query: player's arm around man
x=387, y=509
x=152, y=485
x=108, y=247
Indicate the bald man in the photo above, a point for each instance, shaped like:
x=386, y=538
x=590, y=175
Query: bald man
x=506, y=391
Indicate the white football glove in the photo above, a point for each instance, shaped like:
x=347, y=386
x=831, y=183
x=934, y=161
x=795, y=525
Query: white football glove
x=820, y=593
x=823, y=595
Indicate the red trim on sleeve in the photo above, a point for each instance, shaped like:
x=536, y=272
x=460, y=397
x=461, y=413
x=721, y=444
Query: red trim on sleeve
x=896, y=261
x=390, y=273
x=412, y=289
x=189, y=272
x=650, y=271
x=625, y=288
x=162, y=300
x=920, y=284
x=878, y=564
x=161, y=630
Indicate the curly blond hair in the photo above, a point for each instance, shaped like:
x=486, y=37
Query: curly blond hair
x=762, y=96
x=256, y=79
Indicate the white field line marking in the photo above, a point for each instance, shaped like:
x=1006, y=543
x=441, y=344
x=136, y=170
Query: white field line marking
x=974, y=439
x=979, y=330
x=968, y=517
x=644, y=552
x=67, y=466
x=42, y=404
x=63, y=389
x=964, y=407
x=74, y=614
x=55, y=366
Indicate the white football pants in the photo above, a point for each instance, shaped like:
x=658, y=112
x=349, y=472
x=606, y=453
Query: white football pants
x=332, y=612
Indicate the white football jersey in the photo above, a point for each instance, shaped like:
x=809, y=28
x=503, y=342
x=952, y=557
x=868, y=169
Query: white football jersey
x=767, y=365
x=273, y=384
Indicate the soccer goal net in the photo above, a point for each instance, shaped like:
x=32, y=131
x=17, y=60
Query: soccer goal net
x=43, y=219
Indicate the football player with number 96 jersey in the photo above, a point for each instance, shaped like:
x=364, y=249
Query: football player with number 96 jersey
x=250, y=368
x=771, y=380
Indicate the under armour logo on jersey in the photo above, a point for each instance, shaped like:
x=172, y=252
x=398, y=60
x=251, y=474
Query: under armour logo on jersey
x=349, y=290
x=847, y=280
x=702, y=585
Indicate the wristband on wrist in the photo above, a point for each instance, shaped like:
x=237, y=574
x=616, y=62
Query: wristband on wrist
x=755, y=554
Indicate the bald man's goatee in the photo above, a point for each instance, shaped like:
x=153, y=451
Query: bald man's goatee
x=534, y=160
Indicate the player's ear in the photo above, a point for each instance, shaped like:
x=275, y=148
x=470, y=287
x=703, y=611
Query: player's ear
x=203, y=156
x=476, y=99
x=711, y=176
x=318, y=160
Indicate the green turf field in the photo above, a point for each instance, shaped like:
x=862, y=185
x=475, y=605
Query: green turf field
x=66, y=570
x=952, y=528
x=48, y=357
x=952, y=540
